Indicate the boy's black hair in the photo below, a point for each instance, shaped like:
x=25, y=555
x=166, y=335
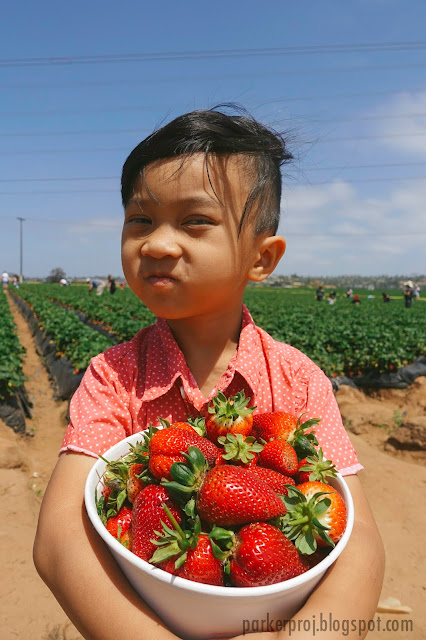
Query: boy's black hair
x=214, y=132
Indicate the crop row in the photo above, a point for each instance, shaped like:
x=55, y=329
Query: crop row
x=73, y=339
x=121, y=314
x=11, y=352
x=343, y=339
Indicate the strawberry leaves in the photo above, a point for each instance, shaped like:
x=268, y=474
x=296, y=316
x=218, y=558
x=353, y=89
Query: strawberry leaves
x=301, y=524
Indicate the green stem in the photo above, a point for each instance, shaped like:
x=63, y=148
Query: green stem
x=300, y=520
x=173, y=520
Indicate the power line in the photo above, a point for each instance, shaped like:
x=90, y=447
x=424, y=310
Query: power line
x=371, y=47
x=297, y=184
x=308, y=168
x=308, y=118
x=114, y=131
x=99, y=225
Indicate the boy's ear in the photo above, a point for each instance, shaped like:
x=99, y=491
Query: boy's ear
x=269, y=253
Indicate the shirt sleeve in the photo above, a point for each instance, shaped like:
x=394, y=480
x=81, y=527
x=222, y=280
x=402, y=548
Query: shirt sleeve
x=99, y=413
x=315, y=398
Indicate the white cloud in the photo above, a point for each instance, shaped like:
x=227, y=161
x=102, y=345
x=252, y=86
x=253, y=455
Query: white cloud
x=404, y=123
x=333, y=227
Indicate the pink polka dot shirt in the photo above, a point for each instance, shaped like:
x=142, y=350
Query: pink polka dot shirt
x=131, y=385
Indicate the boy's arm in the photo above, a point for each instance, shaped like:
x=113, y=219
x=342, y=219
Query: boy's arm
x=350, y=590
x=78, y=568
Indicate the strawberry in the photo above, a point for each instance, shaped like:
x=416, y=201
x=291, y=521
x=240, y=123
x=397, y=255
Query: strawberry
x=148, y=514
x=168, y=446
x=238, y=450
x=200, y=564
x=226, y=495
x=194, y=424
x=278, y=425
x=316, y=514
x=120, y=524
x=232, y=495
x=134, y=483
x=263, y=555
x=229, y=415
x=277, y=481
x=280, y=456
x=315, y=468
x=187, y=554
x=274, y=425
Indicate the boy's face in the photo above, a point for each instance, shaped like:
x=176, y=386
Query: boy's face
x=180, y=251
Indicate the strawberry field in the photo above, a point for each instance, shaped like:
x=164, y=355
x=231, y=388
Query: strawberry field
x=343, y=339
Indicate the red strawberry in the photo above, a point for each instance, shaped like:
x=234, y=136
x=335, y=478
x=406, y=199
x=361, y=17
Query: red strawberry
x=274, y=425
x=278, y=425
x=159, y=465
x=334, y=516
x=232, y=495
x=277, y=481
x=188, y=553
x=280, y=456
x=200, y=565
x=172, y=443
x=229, y=415
x=263, y=555
x=148, y=513
x=316, y=515
x=120, y=523
x=226, y=494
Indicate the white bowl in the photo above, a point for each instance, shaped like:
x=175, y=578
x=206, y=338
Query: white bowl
x=196, y=611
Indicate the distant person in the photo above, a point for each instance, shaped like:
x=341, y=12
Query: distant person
x=5, y=279
x=111, y=284
x=349, y=293
x=63, y=282
x=319, y=294
x=408, y=296
x=15, y=282
x=386, y=297
x=96, y=284
x=356, y=299
x=122, y=284
x=331, y=297
x=416, y=292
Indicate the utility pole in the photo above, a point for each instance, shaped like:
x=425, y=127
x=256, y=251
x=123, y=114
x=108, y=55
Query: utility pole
x=21, y=277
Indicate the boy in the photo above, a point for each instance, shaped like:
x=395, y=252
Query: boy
x=201, y=199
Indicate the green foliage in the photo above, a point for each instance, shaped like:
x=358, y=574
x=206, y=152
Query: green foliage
x=78, y=342
x=11, y=352
x=122, y=314
x=342, y=339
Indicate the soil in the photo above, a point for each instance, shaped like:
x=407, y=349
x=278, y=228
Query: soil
x=394, y=482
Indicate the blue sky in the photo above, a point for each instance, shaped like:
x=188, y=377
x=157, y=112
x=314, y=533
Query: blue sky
x=352, y=202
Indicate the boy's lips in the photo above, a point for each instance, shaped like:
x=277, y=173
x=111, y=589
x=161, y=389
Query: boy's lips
x=160, y=279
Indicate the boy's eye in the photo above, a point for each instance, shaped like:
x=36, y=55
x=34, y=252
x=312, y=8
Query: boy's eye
x=198, y=221
x=138, y=220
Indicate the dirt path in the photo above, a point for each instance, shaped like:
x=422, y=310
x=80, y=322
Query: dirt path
x=27, y=607
x=395, y=487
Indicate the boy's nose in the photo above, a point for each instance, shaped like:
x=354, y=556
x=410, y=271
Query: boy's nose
x=161, y=242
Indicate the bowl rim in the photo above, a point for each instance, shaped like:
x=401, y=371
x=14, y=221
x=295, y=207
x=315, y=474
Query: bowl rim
x=94, y=480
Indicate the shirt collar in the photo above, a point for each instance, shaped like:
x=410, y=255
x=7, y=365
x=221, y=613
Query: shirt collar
x=165, y=361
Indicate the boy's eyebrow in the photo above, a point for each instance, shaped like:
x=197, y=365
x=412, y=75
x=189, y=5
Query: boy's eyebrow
x=191, y=200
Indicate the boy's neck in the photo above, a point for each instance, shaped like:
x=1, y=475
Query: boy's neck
x=208, y=342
